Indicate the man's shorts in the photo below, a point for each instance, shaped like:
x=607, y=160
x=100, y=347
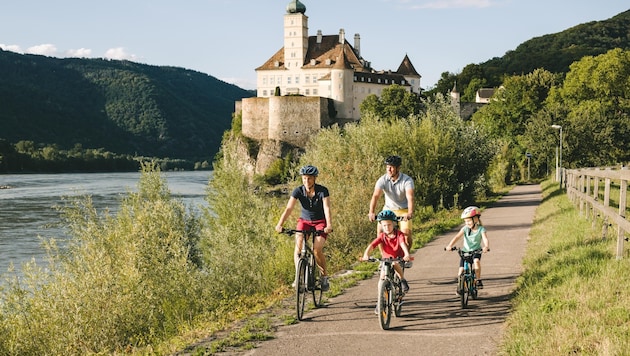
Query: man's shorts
x=318, y=225
x=403, y=224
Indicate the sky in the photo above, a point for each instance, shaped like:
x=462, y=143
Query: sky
x=228, y=39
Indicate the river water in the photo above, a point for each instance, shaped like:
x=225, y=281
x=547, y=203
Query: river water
x=27, y=204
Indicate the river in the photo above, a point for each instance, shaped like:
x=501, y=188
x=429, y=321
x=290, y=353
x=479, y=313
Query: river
x=27, y=204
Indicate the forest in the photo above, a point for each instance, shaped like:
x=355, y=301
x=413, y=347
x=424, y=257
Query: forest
x=121, y=107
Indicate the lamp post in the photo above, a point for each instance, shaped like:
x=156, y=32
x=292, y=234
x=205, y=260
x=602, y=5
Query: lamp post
x=559, y=167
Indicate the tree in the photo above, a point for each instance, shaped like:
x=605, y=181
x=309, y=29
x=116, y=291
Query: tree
x=395, y=102
x=595, y=101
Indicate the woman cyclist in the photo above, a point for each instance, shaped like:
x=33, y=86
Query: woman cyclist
x=315, y=201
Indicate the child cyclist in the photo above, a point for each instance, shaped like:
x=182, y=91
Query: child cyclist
x=391, y=242
x=475, y=238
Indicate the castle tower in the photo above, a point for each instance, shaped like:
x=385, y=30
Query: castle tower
x=455, y=100
x=295, y=42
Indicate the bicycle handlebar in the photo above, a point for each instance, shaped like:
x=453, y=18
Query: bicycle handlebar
x=293, y=231
x=387, y=259
x=455, y=248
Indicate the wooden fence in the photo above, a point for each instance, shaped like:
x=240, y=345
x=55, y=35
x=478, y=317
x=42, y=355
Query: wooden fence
x=584, y=190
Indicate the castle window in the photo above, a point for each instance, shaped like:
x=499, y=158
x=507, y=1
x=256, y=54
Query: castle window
x=297, y=80
x=264, y=93
x=307, y=79
x=264, y=81
x=271, y=80
x=288, y=80
x=314, y=91
x=306, y=92
x=314, y=80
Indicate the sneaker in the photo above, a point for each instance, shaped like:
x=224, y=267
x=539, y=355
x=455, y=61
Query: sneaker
x=405, y=285
x=325, y=285
x=479, y=284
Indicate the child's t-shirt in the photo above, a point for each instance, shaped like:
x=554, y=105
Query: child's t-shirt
x=472, y=239
x=390, y=247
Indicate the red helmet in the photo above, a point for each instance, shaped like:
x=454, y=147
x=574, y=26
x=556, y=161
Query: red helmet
x=471, y=211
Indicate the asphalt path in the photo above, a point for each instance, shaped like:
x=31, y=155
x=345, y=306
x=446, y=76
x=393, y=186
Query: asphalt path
x=432, y=320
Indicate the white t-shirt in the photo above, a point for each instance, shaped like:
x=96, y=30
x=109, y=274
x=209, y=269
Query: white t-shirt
x=395, y=192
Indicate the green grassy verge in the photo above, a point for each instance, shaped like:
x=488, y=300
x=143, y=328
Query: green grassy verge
x=572, y=297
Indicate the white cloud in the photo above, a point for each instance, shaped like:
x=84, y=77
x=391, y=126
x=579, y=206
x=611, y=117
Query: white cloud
x=79, y=53
x=120, y=54
x=46, y=49
x=12, y=48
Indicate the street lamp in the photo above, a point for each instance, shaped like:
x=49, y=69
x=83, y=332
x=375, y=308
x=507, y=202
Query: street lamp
x=559, y=167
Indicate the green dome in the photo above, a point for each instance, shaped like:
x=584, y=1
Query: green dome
x=296, y=6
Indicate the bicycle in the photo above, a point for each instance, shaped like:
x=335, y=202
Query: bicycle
x=466, y=282
x=307, y=273
x=390, y=290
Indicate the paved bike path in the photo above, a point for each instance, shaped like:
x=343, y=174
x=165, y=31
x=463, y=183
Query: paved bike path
x=432, y=321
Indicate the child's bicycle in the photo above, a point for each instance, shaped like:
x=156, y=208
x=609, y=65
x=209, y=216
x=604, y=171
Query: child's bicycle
x=467, y=281
x=307, y=273
x=390, y=290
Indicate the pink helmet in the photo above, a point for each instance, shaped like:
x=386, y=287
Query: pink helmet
x=471, y=211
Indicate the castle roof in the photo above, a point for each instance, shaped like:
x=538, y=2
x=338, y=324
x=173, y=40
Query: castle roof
x=406, y=68
x=325, y=53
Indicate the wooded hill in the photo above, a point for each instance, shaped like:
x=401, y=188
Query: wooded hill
x=553, y=52
x=120, y=106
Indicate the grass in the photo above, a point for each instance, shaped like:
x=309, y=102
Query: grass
x=572, y=297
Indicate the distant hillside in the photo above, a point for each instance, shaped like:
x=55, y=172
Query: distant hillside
x=121, y=106
x=553, y=52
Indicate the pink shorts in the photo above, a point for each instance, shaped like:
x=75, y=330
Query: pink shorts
x=318, y=225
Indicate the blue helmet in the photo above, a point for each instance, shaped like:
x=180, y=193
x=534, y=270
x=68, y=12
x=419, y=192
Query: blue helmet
x=386, y=215
x=309, y=171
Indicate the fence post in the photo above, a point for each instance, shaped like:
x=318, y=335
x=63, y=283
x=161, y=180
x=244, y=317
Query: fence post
x=623, y=187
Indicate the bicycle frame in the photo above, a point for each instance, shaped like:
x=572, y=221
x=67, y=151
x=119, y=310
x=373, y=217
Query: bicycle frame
x=307, y=277
x=390, y=292
x=466, y=283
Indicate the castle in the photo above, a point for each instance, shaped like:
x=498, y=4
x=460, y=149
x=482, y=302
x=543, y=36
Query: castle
x=313, y=82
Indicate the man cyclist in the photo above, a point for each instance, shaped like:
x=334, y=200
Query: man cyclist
x=398, y=189
x=315, y=201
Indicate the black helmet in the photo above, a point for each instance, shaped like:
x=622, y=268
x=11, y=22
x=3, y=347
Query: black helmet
x=386, y=215
x=309, y=171
x=393, y=161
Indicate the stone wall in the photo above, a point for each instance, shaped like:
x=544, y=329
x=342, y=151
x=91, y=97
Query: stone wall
x=255, y=118
x=291, y=119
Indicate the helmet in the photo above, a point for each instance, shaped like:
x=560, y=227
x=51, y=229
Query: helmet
x=393, y=161
x=386, y=215
x=309, y=171
x=471, y=211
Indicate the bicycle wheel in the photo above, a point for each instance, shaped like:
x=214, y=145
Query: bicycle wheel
x=301, y=288
x=384, y=306
x=315, y=285
x=462, y=287
x=473, y=288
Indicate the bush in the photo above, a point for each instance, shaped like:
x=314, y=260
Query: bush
x=122, y=281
